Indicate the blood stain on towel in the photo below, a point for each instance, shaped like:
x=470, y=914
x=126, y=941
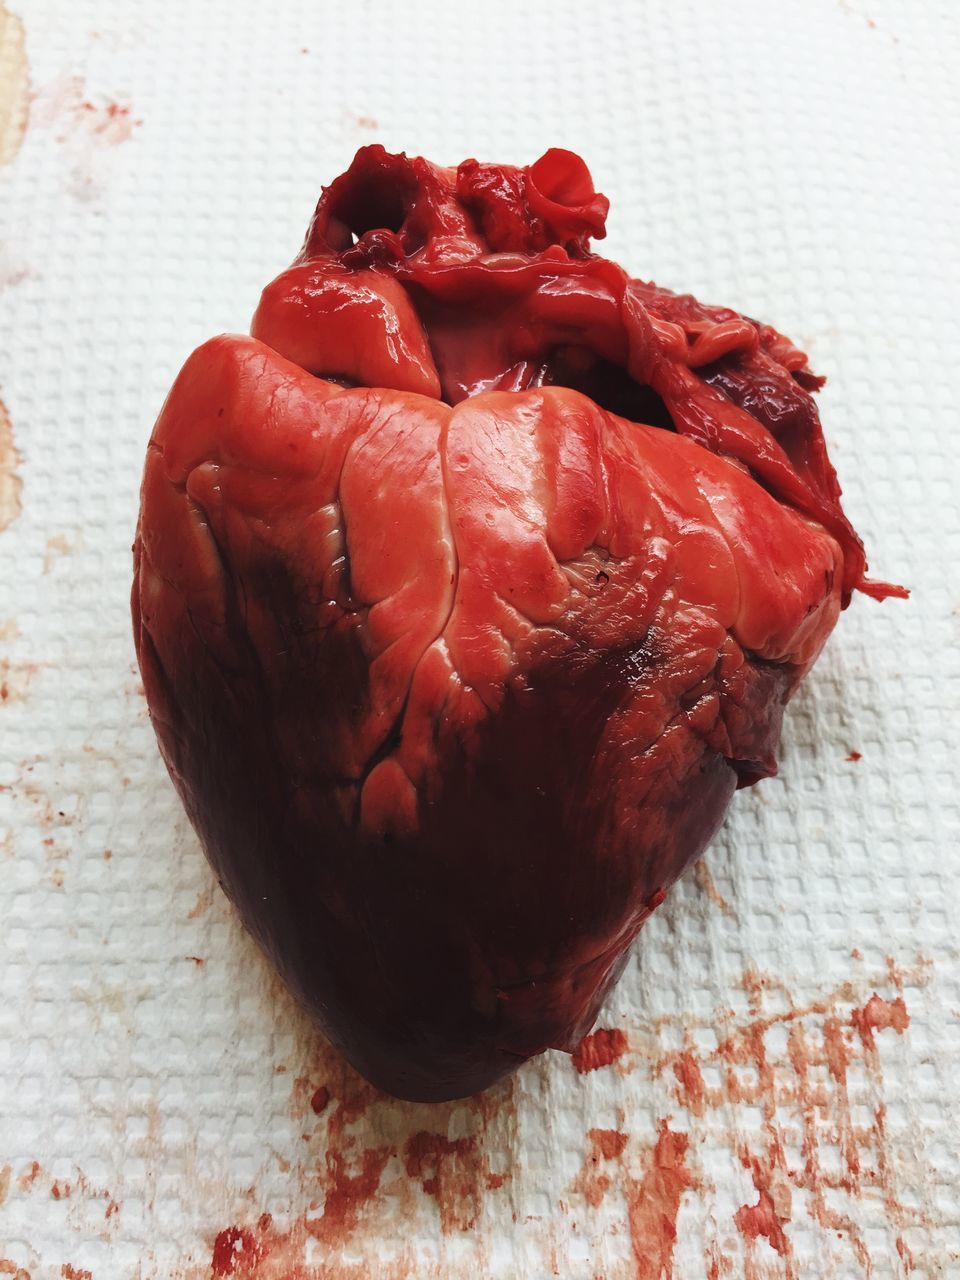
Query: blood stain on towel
x=14, y=85
x=11, y=485
x=601, y=1048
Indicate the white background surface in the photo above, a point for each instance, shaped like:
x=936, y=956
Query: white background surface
x=793, y=159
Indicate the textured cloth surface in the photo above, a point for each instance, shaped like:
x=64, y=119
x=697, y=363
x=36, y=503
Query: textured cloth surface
x=775, y=1090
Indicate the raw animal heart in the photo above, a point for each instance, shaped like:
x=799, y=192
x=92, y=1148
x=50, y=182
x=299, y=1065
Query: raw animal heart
x=467, y=591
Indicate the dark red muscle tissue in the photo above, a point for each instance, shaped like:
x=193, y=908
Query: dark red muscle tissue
x=467, y=591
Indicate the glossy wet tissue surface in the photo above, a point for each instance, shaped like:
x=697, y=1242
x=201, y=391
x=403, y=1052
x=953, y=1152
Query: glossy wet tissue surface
x=773, y=1088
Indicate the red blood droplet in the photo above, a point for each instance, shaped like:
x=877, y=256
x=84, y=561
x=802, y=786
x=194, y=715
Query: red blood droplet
x=690, y=1079
x=653, y=1203
x=599, y=1049
x=880, y=1015
x=234, y=1247
x=761, y=1219
x=608, y=1143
